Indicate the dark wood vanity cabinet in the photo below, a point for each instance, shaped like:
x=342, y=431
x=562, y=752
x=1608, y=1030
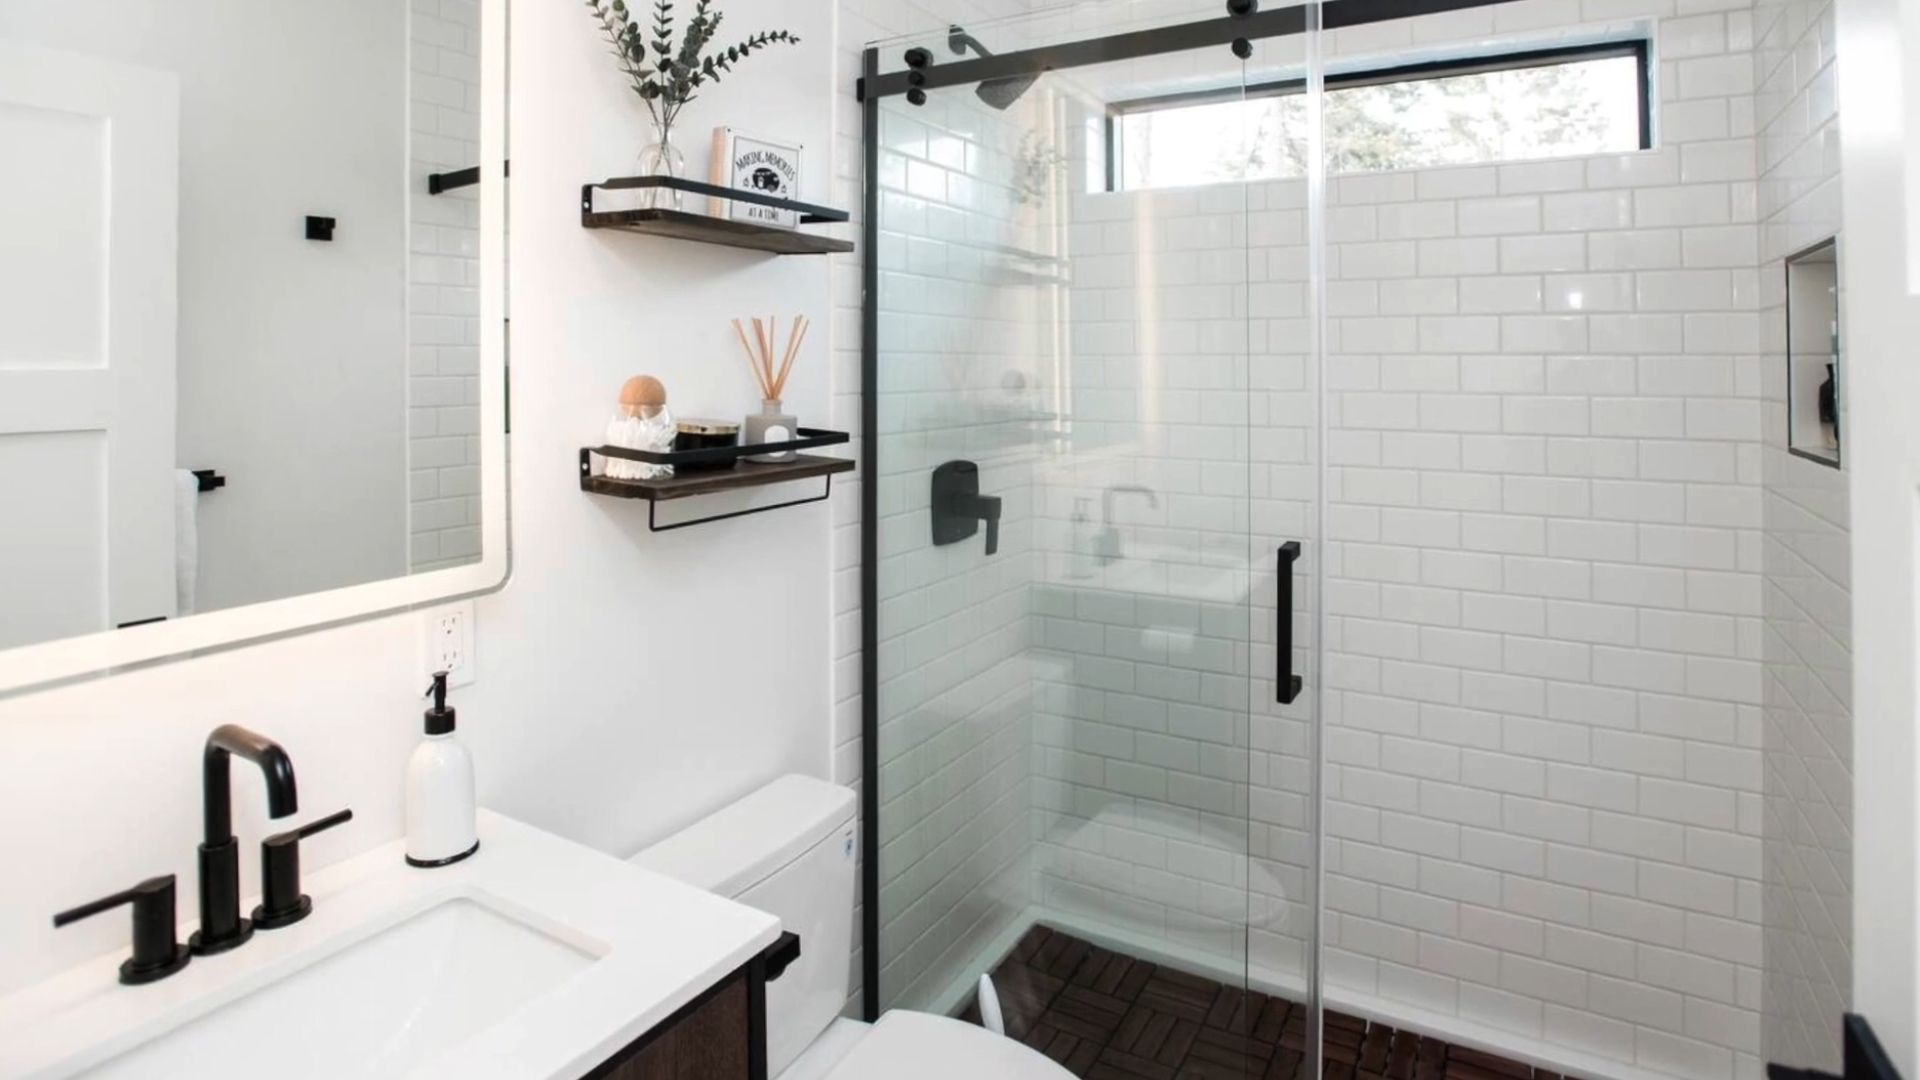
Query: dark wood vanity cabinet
x=712, y=1040
x=719, y=1035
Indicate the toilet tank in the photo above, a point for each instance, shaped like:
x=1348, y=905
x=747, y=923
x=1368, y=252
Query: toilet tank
x=787, y=849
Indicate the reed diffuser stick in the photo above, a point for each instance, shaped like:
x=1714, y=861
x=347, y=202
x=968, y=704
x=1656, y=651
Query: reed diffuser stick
x=772, y=377
x=786, y=360
x=753, y=361
x=794, y=341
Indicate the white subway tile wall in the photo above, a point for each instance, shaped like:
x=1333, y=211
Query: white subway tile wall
x=1808, y=852
x=443, y=294
x=1542, y=684
x=1571, y=703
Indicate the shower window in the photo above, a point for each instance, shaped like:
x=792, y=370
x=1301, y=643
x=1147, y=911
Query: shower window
x=1514, y=106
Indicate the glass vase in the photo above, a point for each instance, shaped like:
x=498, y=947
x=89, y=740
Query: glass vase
x=662, y=158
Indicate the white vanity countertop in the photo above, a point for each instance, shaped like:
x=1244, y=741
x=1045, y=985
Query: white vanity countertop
x=650, y=945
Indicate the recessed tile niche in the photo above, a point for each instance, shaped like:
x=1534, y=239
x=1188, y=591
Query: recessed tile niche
x=1814, y=370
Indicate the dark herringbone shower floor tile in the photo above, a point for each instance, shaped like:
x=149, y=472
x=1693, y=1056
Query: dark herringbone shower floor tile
x=1108, y=1016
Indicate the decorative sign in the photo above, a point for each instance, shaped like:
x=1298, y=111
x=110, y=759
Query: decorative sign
x=750, y=163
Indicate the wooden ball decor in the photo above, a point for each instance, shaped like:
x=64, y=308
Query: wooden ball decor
x=643, y=396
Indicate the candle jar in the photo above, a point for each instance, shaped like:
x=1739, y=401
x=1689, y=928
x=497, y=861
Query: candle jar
x=705, y=435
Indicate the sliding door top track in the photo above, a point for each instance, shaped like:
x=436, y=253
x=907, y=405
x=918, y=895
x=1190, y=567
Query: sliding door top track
x=1135, y=44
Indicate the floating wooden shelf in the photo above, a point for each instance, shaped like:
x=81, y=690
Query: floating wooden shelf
x=682, y=225
x=706, y=229
x=742, y=474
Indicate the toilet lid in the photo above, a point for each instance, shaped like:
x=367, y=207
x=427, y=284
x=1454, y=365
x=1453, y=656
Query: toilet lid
x=922, y=1046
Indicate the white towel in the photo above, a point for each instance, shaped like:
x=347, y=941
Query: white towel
x=186, y=540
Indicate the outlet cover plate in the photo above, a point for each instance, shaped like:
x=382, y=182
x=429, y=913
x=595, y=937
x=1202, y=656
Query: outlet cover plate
x=448, y=642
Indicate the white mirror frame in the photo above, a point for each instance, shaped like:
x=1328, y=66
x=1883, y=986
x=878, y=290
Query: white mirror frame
x=37, y=666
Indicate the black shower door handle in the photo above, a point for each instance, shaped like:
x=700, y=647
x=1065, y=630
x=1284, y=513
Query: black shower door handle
x=1286, y=685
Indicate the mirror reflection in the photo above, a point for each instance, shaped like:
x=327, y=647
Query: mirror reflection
x=239, y=310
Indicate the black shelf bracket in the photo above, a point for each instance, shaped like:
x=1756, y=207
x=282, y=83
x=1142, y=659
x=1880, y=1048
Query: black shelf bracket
x=209, y=479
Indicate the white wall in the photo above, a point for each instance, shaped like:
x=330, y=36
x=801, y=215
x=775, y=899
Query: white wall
x=1881, y=51
x=611, y=705
x=1807, y=827
x=291, y=353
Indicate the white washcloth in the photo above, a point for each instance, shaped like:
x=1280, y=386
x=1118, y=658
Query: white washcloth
x=186, y=540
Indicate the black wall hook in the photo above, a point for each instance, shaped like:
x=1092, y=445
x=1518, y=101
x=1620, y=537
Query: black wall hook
x=209, y=479
x=319, y=228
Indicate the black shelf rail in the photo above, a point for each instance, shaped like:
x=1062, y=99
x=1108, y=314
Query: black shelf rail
x=809, y=213
x=707, y=228
x=725, y=471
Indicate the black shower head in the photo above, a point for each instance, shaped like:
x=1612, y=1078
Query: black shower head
x=1001, y=93
x=998, y=93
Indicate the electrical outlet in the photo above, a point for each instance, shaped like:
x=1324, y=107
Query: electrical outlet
x=449, y=642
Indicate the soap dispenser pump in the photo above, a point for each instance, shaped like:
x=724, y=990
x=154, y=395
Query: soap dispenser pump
x=440, y=807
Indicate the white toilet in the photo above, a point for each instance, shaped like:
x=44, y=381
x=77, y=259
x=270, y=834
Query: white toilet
x=789, y=850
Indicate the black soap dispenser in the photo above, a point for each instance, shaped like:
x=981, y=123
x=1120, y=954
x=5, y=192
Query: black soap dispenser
x=441, y=827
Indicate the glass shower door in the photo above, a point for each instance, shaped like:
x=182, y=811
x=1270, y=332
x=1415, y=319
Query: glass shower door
x=1094, y=441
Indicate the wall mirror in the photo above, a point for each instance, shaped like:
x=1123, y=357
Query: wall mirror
x=252, y=321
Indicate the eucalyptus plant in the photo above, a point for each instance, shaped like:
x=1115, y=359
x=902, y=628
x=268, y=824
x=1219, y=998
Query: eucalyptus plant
x=664, y=75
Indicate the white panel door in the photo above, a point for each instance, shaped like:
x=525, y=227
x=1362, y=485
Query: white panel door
x=89, y=179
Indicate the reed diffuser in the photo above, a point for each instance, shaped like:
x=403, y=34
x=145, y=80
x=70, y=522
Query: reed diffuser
x=771, y=424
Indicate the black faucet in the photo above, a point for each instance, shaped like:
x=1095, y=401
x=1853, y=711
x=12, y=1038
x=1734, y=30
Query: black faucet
x=221, y=927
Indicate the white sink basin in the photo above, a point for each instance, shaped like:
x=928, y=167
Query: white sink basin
x=536, y=958
x=379, y=1008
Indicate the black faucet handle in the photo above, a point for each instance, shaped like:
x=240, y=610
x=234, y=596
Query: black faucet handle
x=281, y=901
x=157, y=952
